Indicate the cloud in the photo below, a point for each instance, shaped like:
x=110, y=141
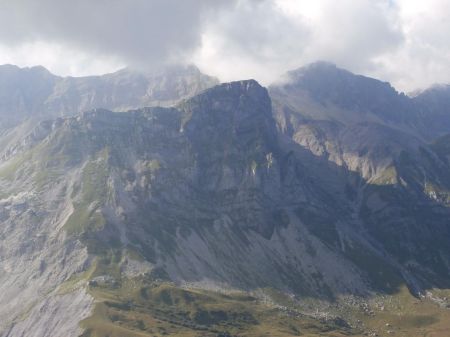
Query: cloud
x=140, y=32
x=401, y=41
x=424, y=58
x=353, y=33
x=61, y=59
x=252, y=39
x=268, y=37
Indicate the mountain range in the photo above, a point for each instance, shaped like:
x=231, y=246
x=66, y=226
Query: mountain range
x=166, y=203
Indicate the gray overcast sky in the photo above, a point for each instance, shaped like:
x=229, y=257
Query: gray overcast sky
x=405, y=42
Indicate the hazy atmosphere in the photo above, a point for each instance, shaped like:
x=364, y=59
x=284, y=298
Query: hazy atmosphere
x=224, y=168
x=401, y=41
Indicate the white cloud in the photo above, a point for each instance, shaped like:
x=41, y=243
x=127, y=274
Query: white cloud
x=265, y=38
x=254, y=39
x=139, y=32
x=401, y=41
x=424, y=58
x=58, y=58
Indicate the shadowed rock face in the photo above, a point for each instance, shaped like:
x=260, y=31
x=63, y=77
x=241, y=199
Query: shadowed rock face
x=323, y=91
x=227, y=189
x=327, y=84
x=365, y=126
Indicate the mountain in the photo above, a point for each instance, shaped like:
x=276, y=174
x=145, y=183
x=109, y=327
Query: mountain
x=36, y=93
x=433, y=106
x=366, y=127
x=312, y=208
x=322, y=91
x=340, y=95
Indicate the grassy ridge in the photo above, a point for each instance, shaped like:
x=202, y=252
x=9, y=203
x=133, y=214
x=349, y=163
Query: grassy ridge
x=138, y=308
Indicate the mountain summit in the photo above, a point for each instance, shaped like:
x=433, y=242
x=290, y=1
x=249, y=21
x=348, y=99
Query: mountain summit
x=35, y=93
x=305, y=208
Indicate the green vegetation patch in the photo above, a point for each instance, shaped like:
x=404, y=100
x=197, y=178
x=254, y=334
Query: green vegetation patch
x=140, y=308
x=90, y=197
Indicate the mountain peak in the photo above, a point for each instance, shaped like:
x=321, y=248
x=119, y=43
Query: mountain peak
x=319, y=65
x=101, y=210
x=326, y=84
x=234, y=92
x=7, y=66
x=327, y=72
x=244, y=86
x=242, y=106
x=166, y=70
x=434, y=90
x=11, y=68
x=319, y=68
x=35, y=92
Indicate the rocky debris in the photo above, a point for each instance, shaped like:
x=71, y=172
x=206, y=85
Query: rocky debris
x=53, y=316
x=132, y=268
x=443, y=302
x=103, y=281
x=218, y=192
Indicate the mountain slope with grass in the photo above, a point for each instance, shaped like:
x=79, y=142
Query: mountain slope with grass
x=233, y=213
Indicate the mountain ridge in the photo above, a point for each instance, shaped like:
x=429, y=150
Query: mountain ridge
x=37, y=94
x=155, y=212
x=336, y=94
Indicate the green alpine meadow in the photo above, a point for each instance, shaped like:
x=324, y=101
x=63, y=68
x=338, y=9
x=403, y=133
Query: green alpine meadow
x=189, y=168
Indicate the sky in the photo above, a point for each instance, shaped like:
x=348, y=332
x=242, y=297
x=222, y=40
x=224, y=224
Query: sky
x=405, y=42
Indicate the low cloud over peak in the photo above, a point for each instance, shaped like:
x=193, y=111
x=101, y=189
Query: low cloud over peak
x=400, y=41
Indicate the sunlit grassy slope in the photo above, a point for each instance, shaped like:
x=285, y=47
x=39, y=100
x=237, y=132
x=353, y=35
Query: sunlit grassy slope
x=145, y=307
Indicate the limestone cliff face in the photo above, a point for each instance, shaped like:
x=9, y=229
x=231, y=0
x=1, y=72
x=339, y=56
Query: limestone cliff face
x=204, y=193
x=35, y=93
x=227, y=189
x=364, y=126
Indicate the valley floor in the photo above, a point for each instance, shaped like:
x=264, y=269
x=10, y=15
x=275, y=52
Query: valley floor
x=138, y=308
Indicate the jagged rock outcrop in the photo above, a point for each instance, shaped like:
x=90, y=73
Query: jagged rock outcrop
x=308, y=193
x=365, y=126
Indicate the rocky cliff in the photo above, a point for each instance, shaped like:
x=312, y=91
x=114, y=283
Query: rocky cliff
x=136, y=223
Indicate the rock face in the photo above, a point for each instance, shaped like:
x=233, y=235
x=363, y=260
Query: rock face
x=323, y=189
x=321, y=91
x=36, y=93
